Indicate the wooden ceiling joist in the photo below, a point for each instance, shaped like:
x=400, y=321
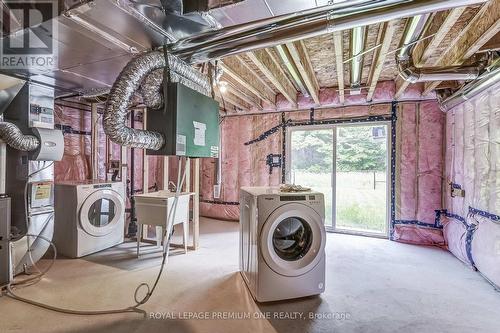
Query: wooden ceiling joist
x=234, y=100
x=440, y=26
x=386, y=34
x=257, y=75
x=301, y=59
x=484, y=26
x=270, y=67
x=339, y=62
x=238, y=92
x=233, y=67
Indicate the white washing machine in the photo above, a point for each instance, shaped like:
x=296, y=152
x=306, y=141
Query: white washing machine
x=90, y=217
x=282, y=243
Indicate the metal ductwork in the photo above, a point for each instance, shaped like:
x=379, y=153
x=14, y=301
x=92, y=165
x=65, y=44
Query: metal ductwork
x=291, y=27
x=129, y=81
x=13, y=137
x=358, y=36
x=146, y=70
x=151, y=87
x=490, y=77
x=409, y=72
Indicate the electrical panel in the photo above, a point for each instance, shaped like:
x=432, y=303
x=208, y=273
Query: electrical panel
x=190, y=123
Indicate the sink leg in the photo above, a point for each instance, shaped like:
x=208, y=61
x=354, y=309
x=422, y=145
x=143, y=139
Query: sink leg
x=139, y=235
x=185, y=235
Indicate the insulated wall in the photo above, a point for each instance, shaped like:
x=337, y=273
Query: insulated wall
x=243, y=164
x=76, y=162
x=419, y=168
x=472, y=222
x=247, y=140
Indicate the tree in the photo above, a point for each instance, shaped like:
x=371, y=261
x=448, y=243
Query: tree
x=357, y=149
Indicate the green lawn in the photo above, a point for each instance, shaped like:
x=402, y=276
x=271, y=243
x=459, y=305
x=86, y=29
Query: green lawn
x=359, y=205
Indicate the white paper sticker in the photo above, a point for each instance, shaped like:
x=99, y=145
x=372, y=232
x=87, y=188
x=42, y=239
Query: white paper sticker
x=180, y=147
x=199, y=133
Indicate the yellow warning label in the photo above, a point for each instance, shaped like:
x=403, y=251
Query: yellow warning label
x=42, y=191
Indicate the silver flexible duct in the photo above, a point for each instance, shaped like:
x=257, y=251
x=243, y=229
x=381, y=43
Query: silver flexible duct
x=409, y=72
x=151, y=87
x=13, y=137
x=128, y=82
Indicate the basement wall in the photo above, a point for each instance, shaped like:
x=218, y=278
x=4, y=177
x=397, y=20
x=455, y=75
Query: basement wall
x=419, y=168
x=472, y=222
x=76, y=162
x=249, y=139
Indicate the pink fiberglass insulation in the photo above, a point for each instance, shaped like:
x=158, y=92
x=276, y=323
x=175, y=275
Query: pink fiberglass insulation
x=407, y=162
x=418, y=235
x=75, y=164
x=329, y=97
x=245, y=165
x=455, y=235
x=242, y=165
x=230, y=160
x=473, y=164
x=485, y=248
x=430, y=161
x=419, y=164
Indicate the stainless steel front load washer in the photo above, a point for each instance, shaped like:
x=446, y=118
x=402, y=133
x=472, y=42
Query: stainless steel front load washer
x=282, y=243
x=90, y=217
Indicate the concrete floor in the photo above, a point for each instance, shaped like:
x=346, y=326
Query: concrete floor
x=373, y=285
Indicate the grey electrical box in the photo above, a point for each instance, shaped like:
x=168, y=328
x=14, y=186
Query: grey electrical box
x=190, y=123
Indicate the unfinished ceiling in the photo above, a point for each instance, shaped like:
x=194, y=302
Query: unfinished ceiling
x=451, y=38
x=92, y=50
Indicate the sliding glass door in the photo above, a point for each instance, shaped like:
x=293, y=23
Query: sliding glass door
x=349, y=165
x=311, y=163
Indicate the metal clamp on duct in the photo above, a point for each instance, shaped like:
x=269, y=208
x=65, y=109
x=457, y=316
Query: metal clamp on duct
x=409, y=72
x=144, y=74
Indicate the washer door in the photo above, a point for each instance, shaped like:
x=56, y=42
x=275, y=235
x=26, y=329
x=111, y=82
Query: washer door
x=292, y=239
x=101, y=211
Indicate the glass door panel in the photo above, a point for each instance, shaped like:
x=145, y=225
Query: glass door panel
x=311, y=163
x=361, y=178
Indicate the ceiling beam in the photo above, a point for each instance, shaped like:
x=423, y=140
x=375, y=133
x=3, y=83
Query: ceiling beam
x=386, y=33
x=257, y=75
x=237, y=71
x=440, y=26
x=270, y=67
x=339, y=63
x=301, y=59
x=238, y=92
x=484, y=26
x=492, y=45
x=234, y=100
